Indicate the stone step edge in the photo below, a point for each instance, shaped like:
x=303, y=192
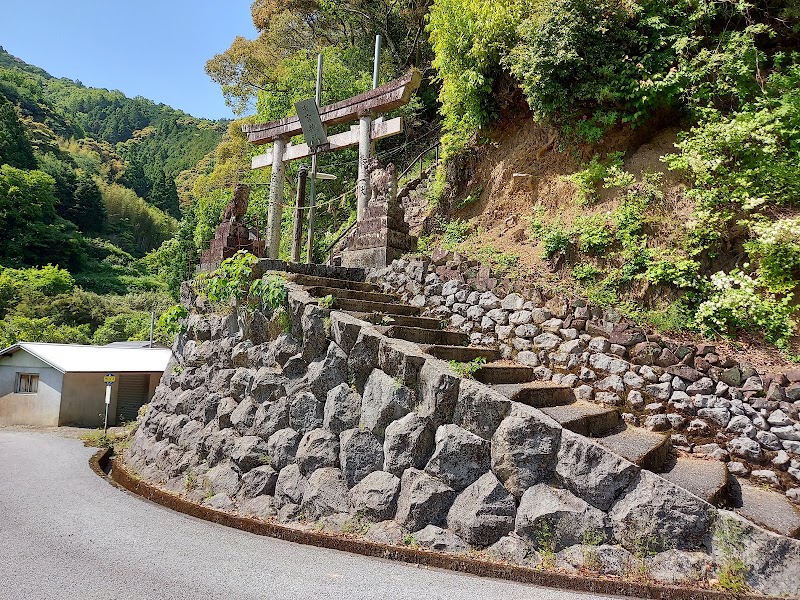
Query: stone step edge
x=592, y=440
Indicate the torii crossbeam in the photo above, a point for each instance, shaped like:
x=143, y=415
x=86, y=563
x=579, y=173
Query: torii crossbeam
x=363, y=108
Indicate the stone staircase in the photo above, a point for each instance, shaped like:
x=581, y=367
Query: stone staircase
x=707, y=479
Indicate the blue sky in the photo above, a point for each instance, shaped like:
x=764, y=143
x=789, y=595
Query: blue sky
x=141, y=47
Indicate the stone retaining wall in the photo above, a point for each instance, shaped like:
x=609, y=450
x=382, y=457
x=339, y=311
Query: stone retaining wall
x=335, y=426
x=713, y=405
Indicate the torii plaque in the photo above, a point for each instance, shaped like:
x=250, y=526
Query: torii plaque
x=363, y=108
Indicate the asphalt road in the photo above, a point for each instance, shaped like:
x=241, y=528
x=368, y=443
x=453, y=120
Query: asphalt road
x=65, y=533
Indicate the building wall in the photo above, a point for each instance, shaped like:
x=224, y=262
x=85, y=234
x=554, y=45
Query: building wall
x=40, y=409
x=83, y=400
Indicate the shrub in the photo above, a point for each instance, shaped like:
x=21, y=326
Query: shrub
x=556, y=241
x=737, y=302
x=585, y=272
x=595, y=172
x=455, y=232
x=776, y=250
x=594, y=234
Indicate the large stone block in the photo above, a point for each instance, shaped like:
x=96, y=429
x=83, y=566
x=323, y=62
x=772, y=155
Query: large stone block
x=346, y=329
x=483, y=513
x=243, y=417
x=408, y=443
x=319, y=448
x=554, y=518
x=271, y=417
x=258, y=481
x=328, y=372
x=524, y=449
x=423, y=500
x=342, y=409
x=375, y=497
x=385, y=400
x=401, y=359
x=360, y=454
x=363, y=357
x=591, y=472
x=249, y=452
x=306, y=412
x=480, y=409
x=282, y=447
x=290, y=486
x=661, y=514
x=315, y=340
x=459, y=457
x=438, y=391
x=325, y=494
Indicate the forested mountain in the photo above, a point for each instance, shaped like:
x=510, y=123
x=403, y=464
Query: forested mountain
x=87, y=185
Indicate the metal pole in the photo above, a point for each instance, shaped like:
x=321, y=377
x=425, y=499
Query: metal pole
x=108, y=402
x=275, y=209
x=152, y=322
x=312, y=192
x=376, y=69
x=297, y=237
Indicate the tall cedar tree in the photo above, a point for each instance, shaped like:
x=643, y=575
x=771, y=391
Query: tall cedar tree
x=15, y=147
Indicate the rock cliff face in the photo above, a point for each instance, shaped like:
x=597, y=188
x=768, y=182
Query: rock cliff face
x=336, y=424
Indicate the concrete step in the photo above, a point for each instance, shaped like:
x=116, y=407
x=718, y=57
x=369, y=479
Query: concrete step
x=538, y=394
x=461, y=353
x=706, y=479
x=403, y=321
x=647, y=449
x=340, y=293
x=386, y=308
x=766, y=507
x=428, y=336
x=315, y=281
x=504, y=373
x=282, y=267
x=584, y=418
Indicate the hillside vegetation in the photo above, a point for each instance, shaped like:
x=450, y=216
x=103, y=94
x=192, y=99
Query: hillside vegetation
x=87, y=190
x=656, y=146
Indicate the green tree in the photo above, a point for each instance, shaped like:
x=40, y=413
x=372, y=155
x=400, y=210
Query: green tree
x=33, y=234
x=15, y=148
x=164, y=195
x=87, y=210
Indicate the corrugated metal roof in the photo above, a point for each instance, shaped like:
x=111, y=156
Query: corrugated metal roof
x=73, y=358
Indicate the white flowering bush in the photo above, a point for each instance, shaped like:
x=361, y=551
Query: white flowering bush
x=737, y=301
x=776, y=248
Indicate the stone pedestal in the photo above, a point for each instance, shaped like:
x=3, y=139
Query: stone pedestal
x=232, y=235
x=381, y=237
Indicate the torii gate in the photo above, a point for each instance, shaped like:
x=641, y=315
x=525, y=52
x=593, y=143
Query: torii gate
x=363, y=108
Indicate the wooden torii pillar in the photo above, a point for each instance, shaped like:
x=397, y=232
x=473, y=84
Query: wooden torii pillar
x=362, y=107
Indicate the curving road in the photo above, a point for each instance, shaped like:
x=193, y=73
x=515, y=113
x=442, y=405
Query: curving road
x=65, y=533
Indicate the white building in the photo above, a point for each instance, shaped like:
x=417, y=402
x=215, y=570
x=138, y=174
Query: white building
x=63, y=384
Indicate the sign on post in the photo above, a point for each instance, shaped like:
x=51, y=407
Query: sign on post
x=311, y=123
x=109, y=380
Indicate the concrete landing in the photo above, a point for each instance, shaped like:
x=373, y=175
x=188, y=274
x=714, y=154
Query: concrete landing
x=428, y=336
x=504, y=373
x=461, y=353
x=707, y=479
x=538, y=394
x=316, y=281
x=386, y=308
x=768, y=508
x=647, y=449
x=402, y=320
x=328, y=271
x=584, y=418
x=341, y=293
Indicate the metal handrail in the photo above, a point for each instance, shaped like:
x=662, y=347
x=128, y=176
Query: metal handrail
x=338, y=239
x=417, y=159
